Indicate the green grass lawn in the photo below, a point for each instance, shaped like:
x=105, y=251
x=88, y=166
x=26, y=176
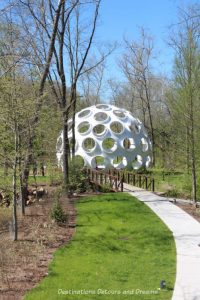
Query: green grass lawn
x=176, y=184
x=120, y=246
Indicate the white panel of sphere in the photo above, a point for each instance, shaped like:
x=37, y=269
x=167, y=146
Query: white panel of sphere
x=108, y=137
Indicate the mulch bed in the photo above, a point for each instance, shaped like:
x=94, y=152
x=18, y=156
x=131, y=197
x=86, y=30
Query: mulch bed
x=25, y=262
x=191, y=210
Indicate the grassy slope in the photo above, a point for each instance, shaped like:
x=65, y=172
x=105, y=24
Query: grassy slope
x=119, y=245
x=176, y=185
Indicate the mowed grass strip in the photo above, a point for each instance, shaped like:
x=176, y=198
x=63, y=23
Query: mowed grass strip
x=121, y=250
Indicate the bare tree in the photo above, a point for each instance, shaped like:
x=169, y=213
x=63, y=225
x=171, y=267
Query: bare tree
x=44, y=71
x=136, y=65
x=72, y=45
x=185, y=106
x=91, y=84
x=12, y=114
x=78, y=45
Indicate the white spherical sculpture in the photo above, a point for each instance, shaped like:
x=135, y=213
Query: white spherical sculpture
x=108, y=137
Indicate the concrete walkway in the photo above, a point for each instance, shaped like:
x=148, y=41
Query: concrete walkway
x=186, y=232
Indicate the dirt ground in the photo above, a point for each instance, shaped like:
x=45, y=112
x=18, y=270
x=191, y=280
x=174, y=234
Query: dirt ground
x=25, y=262
x=191, y=210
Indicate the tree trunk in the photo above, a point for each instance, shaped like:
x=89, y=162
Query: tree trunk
x=66, y=152
x=152, y=133
x=193, y=158
x=194, y=180
x=148, y=100
x=73, y=101
x=25, y=173
x=15, y=226
x=187, y=150
x=23, y=196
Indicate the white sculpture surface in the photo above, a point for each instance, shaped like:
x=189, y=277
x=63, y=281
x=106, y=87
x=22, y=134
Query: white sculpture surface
x=108, y=137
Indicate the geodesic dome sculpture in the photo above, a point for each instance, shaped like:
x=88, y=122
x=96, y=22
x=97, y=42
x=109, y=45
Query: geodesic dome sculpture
x=108, y=137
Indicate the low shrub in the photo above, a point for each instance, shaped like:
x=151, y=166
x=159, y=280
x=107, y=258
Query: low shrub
x=172, y=193
x=78, y=179
x=105, y=188
x=58, y=214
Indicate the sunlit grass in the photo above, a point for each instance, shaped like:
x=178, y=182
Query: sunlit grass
x=119, y=245
x=177, y=184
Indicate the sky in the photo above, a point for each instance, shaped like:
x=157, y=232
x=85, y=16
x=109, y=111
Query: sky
x=120, y=18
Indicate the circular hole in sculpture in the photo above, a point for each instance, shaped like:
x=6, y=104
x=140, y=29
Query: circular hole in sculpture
x=135, y=128
x=129, y=144
x=137, y=162
x=119, y=162
x=89, y=144
x=119, y=114
x=84, y=113
x=99, y=129
x=103, y=106
x=144, y=145
x=109, y=145
x=100, y=116
x=98, y=162
x=83, y=127
x=59, y=144
x=148, y=161
x=116, y=127
x=79, y=160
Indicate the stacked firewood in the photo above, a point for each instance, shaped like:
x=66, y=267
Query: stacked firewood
x=35, y=194
x=4, y=199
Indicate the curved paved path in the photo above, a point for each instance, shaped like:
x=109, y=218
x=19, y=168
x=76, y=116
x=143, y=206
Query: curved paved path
x=186, y=231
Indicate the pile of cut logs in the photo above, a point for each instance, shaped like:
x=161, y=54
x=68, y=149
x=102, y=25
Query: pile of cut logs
x=33, y=195
x=4, y=199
